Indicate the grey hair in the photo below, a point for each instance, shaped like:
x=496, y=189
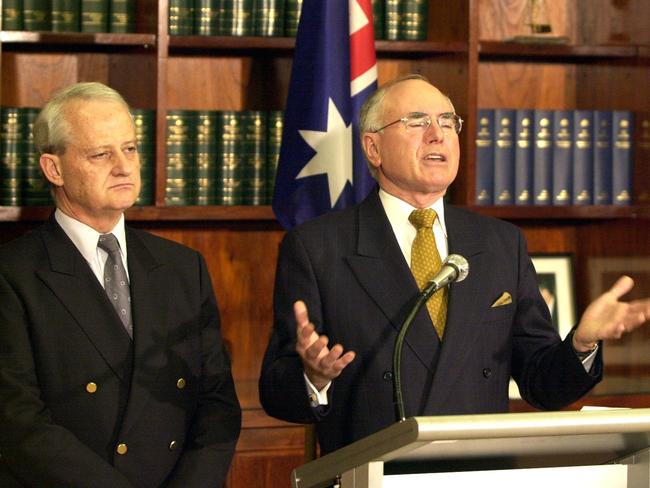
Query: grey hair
x=51, y=130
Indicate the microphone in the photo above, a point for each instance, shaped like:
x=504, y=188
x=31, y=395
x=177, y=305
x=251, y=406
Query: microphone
x=454, y=269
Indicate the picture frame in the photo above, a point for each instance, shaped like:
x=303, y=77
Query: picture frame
x=555, y=276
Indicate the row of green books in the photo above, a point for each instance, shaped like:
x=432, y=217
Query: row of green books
x=393, y=19
x=556, y=157
x=222, y=157
x=69, y=15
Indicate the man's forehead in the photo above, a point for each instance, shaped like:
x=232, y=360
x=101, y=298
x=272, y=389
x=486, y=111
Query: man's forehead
x=416, y=96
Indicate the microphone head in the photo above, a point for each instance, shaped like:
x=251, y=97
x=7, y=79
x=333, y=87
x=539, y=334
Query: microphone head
x=460, y=263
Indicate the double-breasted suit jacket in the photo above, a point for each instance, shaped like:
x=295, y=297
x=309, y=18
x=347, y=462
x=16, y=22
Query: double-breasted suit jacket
x=348, y=268
x=81, y=404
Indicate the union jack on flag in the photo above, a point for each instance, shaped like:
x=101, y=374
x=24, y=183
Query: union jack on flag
x=321, y=165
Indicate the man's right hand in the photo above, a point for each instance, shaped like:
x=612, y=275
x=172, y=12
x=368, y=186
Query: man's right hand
x=321, y=363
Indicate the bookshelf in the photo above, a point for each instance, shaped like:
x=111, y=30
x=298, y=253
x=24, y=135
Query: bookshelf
x=605, y=65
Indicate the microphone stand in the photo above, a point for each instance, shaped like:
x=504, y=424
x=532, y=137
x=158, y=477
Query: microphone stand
x=430, y=289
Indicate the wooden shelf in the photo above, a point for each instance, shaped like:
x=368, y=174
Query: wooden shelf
x=496, y=49
x=588, y=212
x=65, y=40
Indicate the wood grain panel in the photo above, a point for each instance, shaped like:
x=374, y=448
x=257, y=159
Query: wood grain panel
x=263, y=470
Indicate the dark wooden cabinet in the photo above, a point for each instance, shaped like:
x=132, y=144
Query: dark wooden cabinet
x=605, y=65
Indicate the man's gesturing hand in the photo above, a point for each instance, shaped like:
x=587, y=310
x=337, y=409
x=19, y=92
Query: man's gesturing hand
x=321, y=363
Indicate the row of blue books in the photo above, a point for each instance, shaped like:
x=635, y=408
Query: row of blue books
x=554, y=157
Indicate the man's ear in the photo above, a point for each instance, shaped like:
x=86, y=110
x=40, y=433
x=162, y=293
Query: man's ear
x=370, y=143
x=51, y=168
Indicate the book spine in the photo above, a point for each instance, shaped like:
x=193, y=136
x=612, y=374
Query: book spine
x=36, y=15
x=504, y=156
x=181, y=17
x=542, y=157
x=391, y=16
x=11, y=155
x=180, y=182
x=235, y=17
x=524, y=157
x=413, y=19
x=229, y=162
x=122, y=19
x=378, y=18
x=583, y=157
x=485, y=157
x=145, y=132
x=94, y=15
x=642, y=158
x=12, y=15
x=268, y=18
x=622, y=137
x=206, y=17
x=562, y=157
x=35, y=190
x=602, y=157
x=253, y=154
x=292, y=17
x=66, y=15
x=274, y=140
x=206, y=157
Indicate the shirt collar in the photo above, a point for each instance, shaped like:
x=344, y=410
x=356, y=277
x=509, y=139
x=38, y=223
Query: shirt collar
x=398, y=211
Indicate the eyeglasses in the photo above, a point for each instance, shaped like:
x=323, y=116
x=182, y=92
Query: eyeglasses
x=419, y=121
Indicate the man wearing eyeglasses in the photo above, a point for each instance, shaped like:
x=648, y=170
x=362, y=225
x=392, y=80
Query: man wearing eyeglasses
x=346, y=281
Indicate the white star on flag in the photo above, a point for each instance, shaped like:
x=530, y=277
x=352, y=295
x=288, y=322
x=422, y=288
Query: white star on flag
x=333, y=153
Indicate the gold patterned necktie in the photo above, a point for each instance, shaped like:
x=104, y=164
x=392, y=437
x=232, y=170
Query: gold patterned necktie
x=426, y=262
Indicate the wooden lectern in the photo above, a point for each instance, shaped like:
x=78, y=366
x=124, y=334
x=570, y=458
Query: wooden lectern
x=596, y=448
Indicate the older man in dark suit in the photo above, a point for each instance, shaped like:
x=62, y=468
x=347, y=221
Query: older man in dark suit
x=358, y=271
x=112, y=366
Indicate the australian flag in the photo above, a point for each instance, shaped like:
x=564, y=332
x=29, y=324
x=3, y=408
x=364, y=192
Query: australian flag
x=321, y=164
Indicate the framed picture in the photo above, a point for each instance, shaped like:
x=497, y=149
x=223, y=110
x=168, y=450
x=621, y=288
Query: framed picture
x=556, y=284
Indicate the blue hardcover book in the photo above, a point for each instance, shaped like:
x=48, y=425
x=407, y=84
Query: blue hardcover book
x=562, y=157
x=622, y=126
x=504, y=156
x=524, y=157
x=542, y=157
x=583, y=157
x=602, y=157
x=485, y=157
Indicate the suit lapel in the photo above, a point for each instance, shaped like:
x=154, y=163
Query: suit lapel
x=458, y=345
x=73, y=282
x=382, y=271
x=149, y=323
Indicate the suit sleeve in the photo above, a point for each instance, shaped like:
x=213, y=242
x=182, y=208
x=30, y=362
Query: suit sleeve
x=548, y=372
x=216, y=424
x=283, y=392
x=34, y=450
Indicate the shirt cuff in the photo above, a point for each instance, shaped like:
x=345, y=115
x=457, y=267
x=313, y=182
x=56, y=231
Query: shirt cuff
x=316, y=398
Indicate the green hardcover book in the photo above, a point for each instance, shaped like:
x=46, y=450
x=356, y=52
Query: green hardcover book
x=642, y=158
x=292, y=17
x=235, y=17
x=94, y=15
x=11, y=155
x=378, y=18
x=181, y=17
x=391, y=19
x=12, y=15
x=145, y=132
x=268, y=18
x=122, y=18
x=253, y=153
x=229, y=162
x=413, y=19
x=275, y=126
x=36, y=15
x=206, y=157
x=35, y=189
x=66, y=15
x=180, y=165
x=206, y=17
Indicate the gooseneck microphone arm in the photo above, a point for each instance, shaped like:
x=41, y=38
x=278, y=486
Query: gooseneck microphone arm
x=455, y=268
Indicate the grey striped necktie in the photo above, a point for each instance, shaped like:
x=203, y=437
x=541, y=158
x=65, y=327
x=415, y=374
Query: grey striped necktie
x=116, y=283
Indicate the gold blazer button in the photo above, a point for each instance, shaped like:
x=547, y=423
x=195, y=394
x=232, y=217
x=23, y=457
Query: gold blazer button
x=91, y=387
x=180, y=384
x=173, y=445
x=121, y=449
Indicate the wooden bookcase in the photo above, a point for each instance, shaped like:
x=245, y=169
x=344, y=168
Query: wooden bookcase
x=606, y=65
